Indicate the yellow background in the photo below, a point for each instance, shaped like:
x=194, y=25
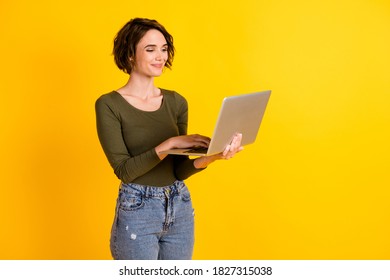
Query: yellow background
x=315, y=185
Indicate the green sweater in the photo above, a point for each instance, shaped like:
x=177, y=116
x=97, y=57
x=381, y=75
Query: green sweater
x=129, y=136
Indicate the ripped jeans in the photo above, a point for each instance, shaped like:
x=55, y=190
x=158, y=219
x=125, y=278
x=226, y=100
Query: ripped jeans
x=153, y=223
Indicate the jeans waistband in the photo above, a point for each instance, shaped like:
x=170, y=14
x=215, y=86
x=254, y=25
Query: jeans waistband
x=152, y=191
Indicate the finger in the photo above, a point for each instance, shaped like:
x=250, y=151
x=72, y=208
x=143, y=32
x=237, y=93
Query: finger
x=204, y=140
x=197, y=140
x=226, y=151
x=238, y=139
x=236, y=143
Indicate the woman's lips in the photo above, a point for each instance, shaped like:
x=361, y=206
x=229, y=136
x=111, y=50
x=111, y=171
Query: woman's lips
x=160, y=65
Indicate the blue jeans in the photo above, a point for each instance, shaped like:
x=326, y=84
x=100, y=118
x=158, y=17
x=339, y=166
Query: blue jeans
x=153, y=223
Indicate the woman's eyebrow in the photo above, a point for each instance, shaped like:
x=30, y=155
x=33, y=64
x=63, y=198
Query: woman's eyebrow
x=154, y=46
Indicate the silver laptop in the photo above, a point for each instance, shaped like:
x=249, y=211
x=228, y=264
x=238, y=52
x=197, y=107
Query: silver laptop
x=238, y=114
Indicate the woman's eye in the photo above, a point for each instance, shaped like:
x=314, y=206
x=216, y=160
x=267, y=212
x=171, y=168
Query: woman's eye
x=164, y=50
x=149, y=50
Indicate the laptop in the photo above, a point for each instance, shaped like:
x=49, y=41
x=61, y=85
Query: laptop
x=238, y=114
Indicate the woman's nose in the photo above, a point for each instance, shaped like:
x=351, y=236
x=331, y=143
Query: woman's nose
x=159, y=55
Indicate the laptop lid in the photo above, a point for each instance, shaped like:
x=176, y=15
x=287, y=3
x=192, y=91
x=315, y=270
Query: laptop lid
x=238, y=114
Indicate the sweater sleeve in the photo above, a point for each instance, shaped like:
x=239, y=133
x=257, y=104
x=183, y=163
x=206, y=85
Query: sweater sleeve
x=184, y=166
x=126, y=167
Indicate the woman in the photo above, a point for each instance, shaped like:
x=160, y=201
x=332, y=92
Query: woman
x=154, y=215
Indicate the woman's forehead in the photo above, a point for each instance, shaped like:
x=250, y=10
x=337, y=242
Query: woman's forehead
x=153, y=37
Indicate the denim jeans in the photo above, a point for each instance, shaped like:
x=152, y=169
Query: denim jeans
x=153, y=223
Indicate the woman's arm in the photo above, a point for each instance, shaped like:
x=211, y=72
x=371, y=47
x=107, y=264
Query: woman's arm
x=126, y=167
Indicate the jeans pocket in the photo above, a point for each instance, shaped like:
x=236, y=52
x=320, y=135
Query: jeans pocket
x=129, y=201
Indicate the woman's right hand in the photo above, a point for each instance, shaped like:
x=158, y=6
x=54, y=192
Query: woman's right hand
x=189, y=141
x=183, y=142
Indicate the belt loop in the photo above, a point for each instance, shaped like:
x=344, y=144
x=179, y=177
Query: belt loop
x=167, y=192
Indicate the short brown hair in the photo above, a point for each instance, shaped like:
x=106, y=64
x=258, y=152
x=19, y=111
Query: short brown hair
x=128, y=37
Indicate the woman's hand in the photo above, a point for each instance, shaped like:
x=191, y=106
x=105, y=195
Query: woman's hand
x=189, y=141
x=233, y=148
x=182, y=142
x=229, y=152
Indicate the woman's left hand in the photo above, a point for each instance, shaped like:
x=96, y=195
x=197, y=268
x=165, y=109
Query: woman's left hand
x=233, y=148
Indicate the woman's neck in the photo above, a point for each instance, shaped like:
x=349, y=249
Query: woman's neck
x=139, y=86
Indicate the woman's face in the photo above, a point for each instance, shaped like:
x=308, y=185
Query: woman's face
x=151, y=54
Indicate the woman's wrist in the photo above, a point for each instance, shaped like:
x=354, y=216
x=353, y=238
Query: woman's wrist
x=166, y=145
x=203, y=162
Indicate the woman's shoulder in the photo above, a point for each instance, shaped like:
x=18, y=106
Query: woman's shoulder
x=108, y=102
x=107, y=97
x=111, y=100
x=173, y=96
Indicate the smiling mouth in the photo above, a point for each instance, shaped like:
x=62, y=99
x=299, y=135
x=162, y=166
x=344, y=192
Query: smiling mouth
x=158, y=65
